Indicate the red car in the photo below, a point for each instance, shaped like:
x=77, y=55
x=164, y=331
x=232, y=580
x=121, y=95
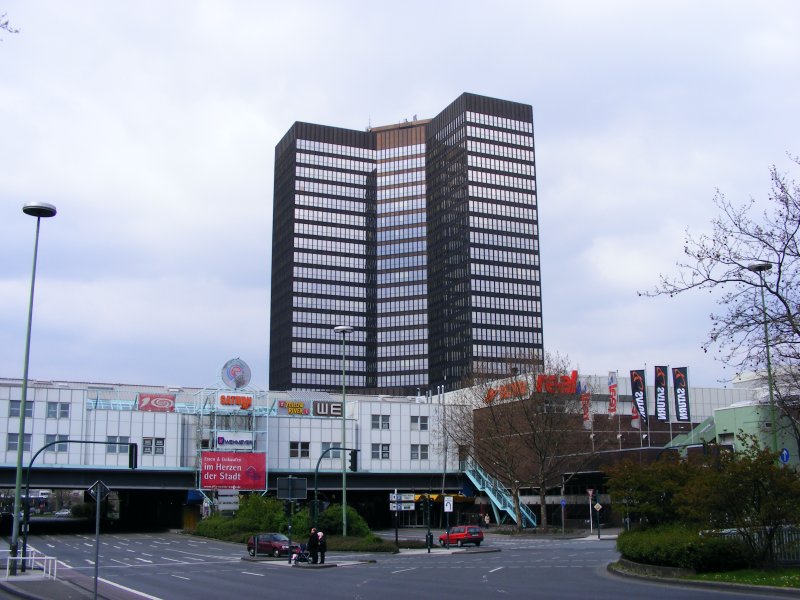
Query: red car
x=462, y=534
x=274, y=544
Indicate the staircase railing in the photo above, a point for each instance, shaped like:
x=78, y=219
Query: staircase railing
x=500, y=497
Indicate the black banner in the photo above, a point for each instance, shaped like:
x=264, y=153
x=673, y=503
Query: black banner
x=662, y=401
x=681, y=384
x=639, y=392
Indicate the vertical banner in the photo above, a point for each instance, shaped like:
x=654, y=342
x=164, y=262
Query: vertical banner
x=681, y=385
x=639, y=392
x=635, y=424
x=662, y=399
x=586, y=402
x=612, y=393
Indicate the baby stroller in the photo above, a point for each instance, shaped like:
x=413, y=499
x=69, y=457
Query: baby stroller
x=303, y=556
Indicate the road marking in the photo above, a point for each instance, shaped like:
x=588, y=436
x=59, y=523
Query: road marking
x=119, y=561
x=497, y=569
x=403, y=570
x=131, y=590
x=172, y=559
x=180, y=577
x=146, y=554
x=254, y=574
x=144, y=560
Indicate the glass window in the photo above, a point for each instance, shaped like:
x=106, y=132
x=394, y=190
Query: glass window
x=51, y=439
x=380, y=421
x=57, y=410
x=334, y=453
x=13, y=408
x=419, y=423
x=299, y=449
x=117, y=444
x=153, y=446
x=419, y=451
x=12, y=442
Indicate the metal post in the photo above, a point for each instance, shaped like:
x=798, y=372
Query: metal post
x=344, y=330
x=38, y=210
x=760, y=268
x=96, y=535
x=769, y=372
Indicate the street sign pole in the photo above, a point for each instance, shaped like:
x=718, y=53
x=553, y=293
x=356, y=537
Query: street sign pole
x=396, y=519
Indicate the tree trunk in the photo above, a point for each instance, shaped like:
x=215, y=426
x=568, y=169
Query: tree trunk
x=517, y=509
x=543, y=504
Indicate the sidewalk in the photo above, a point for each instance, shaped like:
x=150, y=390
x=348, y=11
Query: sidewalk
x=68, y=586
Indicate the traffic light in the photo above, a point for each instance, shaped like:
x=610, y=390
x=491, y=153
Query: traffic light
x=133, y=456
x=354, y=460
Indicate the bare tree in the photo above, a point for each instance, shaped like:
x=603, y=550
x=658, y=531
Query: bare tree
x=5, y=25
x=526, y=430
x=754, y=259
x=725, y=259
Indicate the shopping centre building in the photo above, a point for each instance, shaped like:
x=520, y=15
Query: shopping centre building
x=194, y=442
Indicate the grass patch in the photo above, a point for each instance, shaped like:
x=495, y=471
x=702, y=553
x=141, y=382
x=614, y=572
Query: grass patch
x=784, y=578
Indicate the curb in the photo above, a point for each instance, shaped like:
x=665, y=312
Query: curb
x=640, y=571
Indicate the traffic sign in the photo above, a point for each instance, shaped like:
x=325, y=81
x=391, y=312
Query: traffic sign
x=448, y=504
x=401, y=506
x=563, y=502
x=589, y=491
x=598, y=506
x=401, y=498
x=784, y=456
x=99, y=491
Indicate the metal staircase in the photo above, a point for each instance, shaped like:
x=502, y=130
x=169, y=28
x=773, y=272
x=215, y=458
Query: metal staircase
x=501, y=499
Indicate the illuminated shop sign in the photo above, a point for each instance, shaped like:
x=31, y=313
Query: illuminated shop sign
x=317, y=408
x=328, y=409
x=292, y=407
x=548, y=384
x=516, y=389
x=226, y=401
x=234, y=440
x=156, y=402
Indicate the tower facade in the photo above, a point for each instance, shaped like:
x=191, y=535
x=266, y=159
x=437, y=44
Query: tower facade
x=422, y=236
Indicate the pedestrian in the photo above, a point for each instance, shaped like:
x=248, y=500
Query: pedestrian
x=486, y=520
x=313, y=546
x=323, y=547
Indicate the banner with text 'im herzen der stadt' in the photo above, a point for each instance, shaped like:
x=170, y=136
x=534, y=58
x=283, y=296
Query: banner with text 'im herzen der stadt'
x=233, y=470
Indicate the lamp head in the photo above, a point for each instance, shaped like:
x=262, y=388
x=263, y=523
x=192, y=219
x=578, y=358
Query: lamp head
x=759, y=267
x=343, y=329
x=39, y=209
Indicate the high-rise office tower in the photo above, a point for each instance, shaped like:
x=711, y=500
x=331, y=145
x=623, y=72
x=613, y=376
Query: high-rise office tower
x=422, y=236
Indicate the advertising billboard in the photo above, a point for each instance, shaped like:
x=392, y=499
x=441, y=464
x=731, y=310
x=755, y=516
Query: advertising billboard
x=233, y=470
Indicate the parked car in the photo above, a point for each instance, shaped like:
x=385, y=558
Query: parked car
x=64, y=512
x=462, y=534
x=274, y=544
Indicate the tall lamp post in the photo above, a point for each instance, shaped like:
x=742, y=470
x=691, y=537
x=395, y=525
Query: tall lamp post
x=39, y=210
x=762, y=268
x=344, y=330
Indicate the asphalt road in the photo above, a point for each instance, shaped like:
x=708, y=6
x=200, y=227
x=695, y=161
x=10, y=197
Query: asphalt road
x=176, y=566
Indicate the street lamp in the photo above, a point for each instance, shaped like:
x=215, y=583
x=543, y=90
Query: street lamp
x=762, y=268
x=344, y=330
x=39, y=210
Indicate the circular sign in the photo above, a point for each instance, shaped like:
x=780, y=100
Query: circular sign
x=236, y=373
x=784, y=456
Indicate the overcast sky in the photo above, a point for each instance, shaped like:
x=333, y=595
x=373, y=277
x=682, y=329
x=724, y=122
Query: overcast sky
x=151, y=126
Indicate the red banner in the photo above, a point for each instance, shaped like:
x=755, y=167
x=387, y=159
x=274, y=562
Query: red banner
x=233, y=470
x=612, y=393
x=157, y=402
x=586, y=403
